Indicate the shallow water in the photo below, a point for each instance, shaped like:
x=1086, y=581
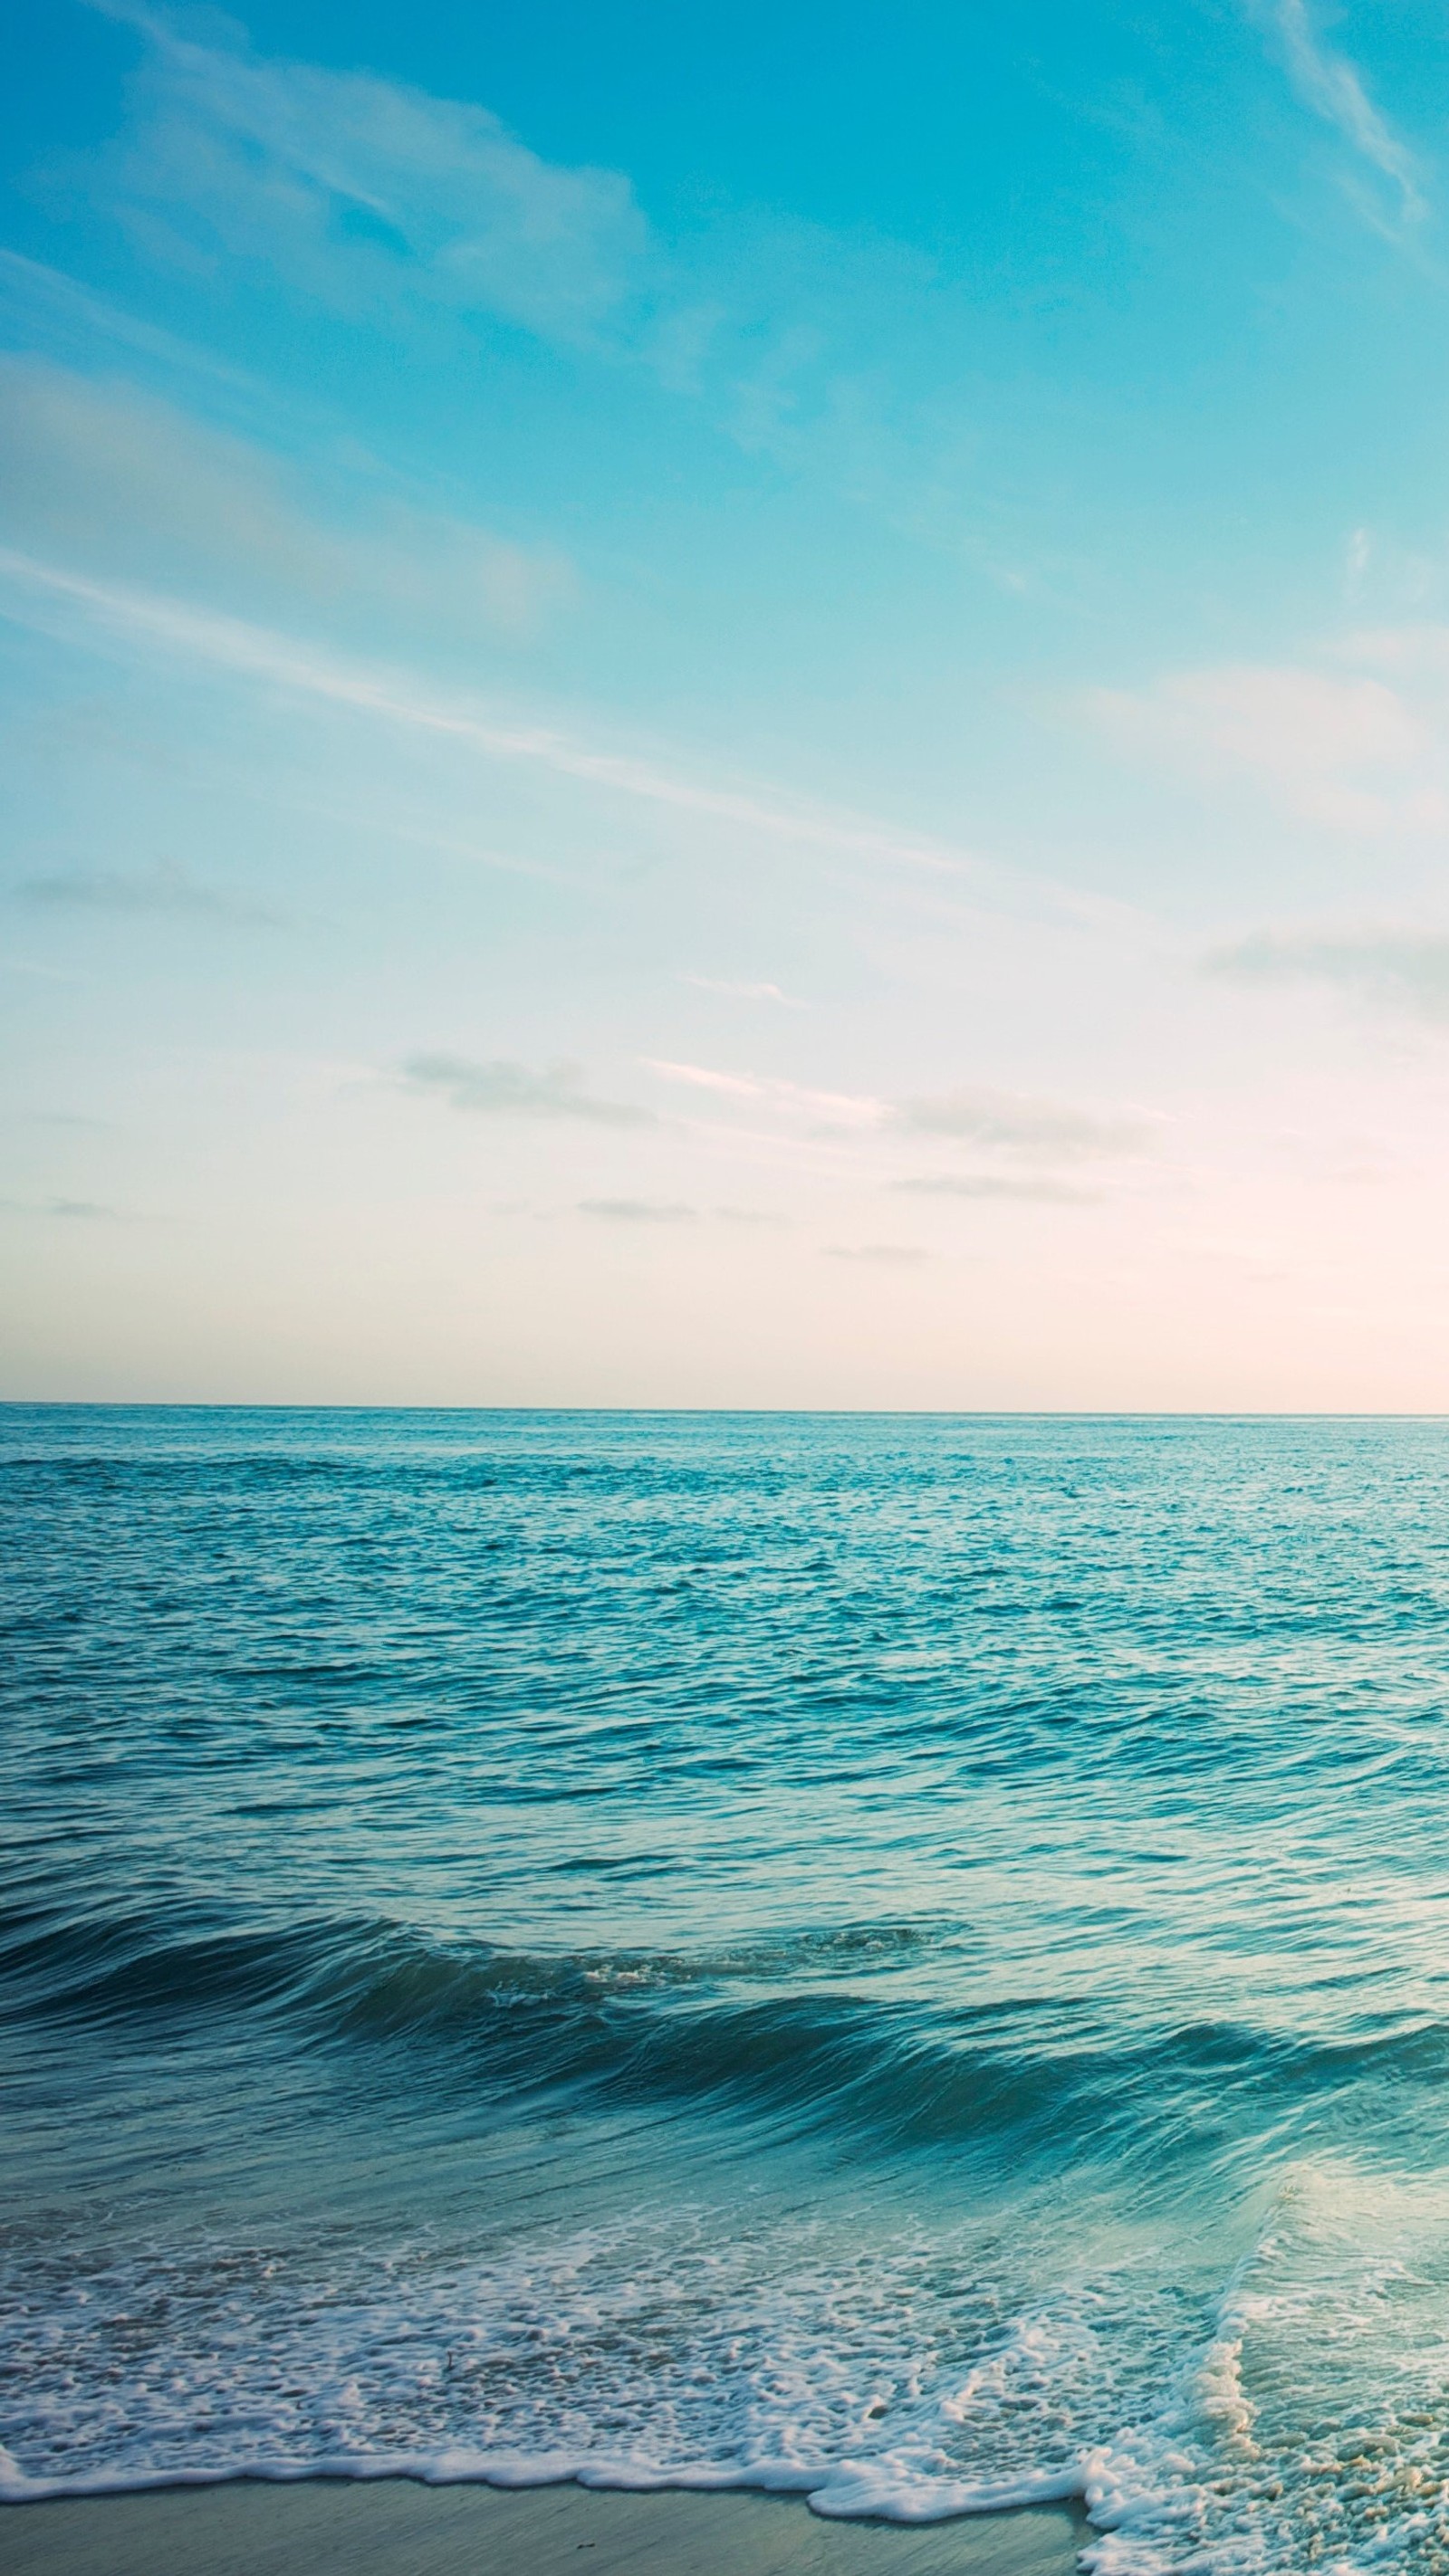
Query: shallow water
x=901, y=1957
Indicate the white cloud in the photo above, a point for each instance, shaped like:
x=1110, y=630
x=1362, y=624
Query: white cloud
x=1417, y=652
x=41, y=592
x=84, y=1211
x=387, y=205
x=998, y=1185
x=44, y=304
x=1397, y=969
x=834, y=1108
x=1347, y=751
x=735, y=1086
x=364, y=193
x=121, y=482
x=744, y=992
x=504, y=1089
x=1022, y=1124
x=1329, y=84
x=638, y=1211
x=1019, y=1125
x=164, y=888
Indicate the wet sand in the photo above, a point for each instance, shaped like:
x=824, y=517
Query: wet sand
x=396, y=2528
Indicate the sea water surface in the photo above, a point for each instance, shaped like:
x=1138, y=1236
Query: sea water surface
x=905, y=1958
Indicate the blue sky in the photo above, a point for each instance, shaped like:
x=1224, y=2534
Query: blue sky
x=726, y=706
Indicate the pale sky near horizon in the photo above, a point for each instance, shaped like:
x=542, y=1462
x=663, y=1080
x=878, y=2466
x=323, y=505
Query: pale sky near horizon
x=726, y=705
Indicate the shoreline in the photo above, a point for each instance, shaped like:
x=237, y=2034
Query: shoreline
x=400, y=2527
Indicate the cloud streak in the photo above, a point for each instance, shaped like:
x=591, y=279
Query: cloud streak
x=80, y=1211
x=638, y=1211
x=1333, y=88
x=166, y=888
x=366, y=194
x=1018, y=1125
x=1395, y=969
x=392, y=208
x=1346, y=751
x=301, y=670
x=118, y=479
x=1022, y=1124
x=44, y=302
x=745, y=992
x=997, y=1185
x=795, y=1099
x=502, y=1088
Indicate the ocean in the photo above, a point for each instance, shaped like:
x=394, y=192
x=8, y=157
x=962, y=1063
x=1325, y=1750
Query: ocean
x=900, y=1958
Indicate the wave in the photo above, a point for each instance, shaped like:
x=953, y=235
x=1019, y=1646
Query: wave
x=788, y=2031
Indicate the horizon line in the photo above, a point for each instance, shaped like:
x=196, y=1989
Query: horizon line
x=754, y=1412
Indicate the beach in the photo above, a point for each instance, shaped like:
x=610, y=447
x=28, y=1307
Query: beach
x=400, y=2528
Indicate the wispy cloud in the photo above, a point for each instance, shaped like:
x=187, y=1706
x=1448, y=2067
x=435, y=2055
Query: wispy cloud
x=302, y=670
x=394, y=208
x=116, y=480
x=504, y=1089
x=797, y=1099
x=83, y=1211
x=1018, y=1126
x=997, y=1185
x=43, y=303
x=1395, y=969
x=1023, y=1124
x=745, y=992
x=638, y=1211
x=1416, y=651
x=1346, y=751
x=1333, y=87
x=363, y=193
x=166, y=888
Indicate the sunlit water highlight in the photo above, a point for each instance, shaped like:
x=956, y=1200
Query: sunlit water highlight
x=905, y=1959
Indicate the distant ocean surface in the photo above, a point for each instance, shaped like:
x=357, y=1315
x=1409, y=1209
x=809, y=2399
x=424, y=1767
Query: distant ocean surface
x=901, y=1958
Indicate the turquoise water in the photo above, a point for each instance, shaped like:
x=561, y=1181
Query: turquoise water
x=906, y=1958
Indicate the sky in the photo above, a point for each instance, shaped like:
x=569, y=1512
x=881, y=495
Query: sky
x=726, y=706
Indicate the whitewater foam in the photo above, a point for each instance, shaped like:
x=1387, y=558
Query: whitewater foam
x=896, y=2381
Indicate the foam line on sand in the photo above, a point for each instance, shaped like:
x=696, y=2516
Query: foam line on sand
x=398, y=2528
